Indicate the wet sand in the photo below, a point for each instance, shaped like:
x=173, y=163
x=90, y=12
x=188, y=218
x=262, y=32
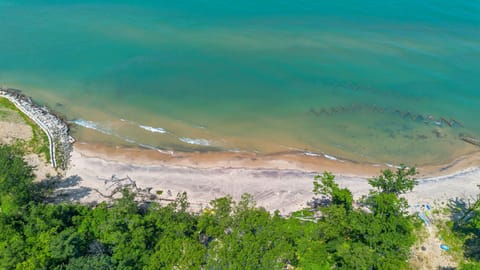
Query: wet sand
x=292, y=160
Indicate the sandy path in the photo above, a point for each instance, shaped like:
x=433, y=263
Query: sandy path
x=428, y=254
x=10, y=132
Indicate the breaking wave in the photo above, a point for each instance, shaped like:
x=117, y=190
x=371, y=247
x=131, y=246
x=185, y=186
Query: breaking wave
x=202, y=142
x=310, y=154
x=93, y=125
x=107, y=131
x=153, y=129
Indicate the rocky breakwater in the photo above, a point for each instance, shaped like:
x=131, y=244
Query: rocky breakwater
x=54, y=126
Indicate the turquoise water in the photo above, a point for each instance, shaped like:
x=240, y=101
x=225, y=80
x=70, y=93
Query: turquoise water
x=326, y=77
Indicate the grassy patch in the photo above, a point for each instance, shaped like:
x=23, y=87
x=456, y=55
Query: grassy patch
x=451, y=239
x=39, y=142
x=302, y=213
x=3, y=114
x=420, y=231
x=459, y=242
x=5, y=103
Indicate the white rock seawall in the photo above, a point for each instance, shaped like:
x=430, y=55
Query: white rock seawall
x=59, y=139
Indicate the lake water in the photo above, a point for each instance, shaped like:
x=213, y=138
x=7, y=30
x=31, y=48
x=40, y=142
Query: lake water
x=376, y=81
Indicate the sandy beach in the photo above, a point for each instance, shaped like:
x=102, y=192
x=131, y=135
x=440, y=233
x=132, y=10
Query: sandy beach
x=280, y=181
x=284, y=185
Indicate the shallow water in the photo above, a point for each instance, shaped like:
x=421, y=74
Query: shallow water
x=315, y=76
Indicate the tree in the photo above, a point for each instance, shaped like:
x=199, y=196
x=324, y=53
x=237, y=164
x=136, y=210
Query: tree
x=466, y=227
x=16, y=177
x=385, y=200
x=397, y=182
x=358, y=239
x=470, y=215
x=101, y=262
x=67, y=244
x=325, y=185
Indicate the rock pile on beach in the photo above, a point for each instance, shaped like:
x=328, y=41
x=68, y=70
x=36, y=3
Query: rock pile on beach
x=60, y=141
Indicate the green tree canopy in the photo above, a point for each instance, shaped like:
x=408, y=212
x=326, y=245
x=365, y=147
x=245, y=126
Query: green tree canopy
x=397, y=182
x=16, y=178
x=325, y=185
x=226, y=235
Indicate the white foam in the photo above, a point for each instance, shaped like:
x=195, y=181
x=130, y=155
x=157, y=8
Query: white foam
x=330, y=157
x=392, y=166
x=169, y=152
x=312, y=154
x=92, y=125
x=153, y=129
x=465, y=172
x=128, y=121
x=236, y=151
x=130, y=140
x=148, y=146
x=107, y=131
x=202, y=142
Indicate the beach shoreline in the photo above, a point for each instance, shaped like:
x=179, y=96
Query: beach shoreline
x=284, y=185
x=288, y=160
x=278, y=181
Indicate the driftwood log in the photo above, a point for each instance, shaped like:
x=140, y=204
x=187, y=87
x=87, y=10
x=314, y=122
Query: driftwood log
x=116, y=185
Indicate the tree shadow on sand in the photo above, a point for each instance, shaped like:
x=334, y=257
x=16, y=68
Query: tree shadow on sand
x=56, y=189
x=458, y=208
x=463, y=214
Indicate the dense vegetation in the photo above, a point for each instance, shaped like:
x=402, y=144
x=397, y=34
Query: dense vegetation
x=336, y=232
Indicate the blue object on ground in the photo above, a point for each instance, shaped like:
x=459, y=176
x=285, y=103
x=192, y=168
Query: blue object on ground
x=444, y=247
x=427, y=206
x=424, y=219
